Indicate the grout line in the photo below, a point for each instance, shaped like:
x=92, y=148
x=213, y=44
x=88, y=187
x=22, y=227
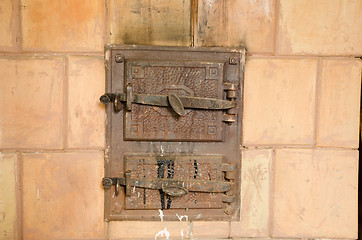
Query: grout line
x=280, y=146
x=271, y=192
x=276, y=26
x=295, y=56
x=225, y=18
x=19, y=27
x=317, y=100
x=19, y=194
x=65, y=103
x=106, y=35
x=194, y=21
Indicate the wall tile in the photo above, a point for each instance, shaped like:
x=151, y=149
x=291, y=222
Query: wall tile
x=148, y=230
x=207, y=230
x=8, y=187
x=63, y=25
x=8, y=25
x=31, y=93
x=339, y=106
x=322, y=27
x=63, y=196
x=255, y=179
x=279, y=101
x=237, y=23
x=315, y=193
x=153, y=22
x=86, y=113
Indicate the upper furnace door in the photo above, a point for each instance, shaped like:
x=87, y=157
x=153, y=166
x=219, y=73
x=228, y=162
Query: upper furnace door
x=173, y=132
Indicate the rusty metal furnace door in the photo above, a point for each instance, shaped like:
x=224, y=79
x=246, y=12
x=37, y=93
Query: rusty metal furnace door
x=173, y=132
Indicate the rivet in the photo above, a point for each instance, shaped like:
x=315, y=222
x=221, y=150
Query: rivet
x=119, y=58
x=232, y=61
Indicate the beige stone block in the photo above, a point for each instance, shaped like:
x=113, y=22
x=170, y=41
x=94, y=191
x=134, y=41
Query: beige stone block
x=255, y=197
x=315, y=194
x=85, y=112
x=279, y=101
x=8, y=196
x=236, y=23
x=31, y=93
x=210, y=230
x=63, y=196
x=148, y=230
x=339, y=104
x=58, y=25
x=331, y=27
x=152, y=22
x=8, y=25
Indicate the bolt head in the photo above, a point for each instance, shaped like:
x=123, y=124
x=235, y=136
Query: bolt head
x=233, y=61
x=119, y=58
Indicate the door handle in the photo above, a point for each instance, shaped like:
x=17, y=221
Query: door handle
x=177, y=103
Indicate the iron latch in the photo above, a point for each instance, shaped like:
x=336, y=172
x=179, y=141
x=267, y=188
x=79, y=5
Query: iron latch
x=177, y=103
x=171, y=187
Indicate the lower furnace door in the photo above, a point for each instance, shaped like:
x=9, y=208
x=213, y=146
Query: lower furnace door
x=173, y=133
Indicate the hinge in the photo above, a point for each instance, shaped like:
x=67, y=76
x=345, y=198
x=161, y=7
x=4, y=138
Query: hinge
x=231, y=95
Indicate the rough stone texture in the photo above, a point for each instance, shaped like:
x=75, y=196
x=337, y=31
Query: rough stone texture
x=8, y=188
x=339, y=105
x=85, y=112
x=315, y=193
x=207, y=230
x=63, y=196
x=237, y=23
x=255, y=179
x=153, y=22
x=320, y=27
x=63, y=25
x=8, y=25
x=148, y=230
x=279, y=101
x=31, y=103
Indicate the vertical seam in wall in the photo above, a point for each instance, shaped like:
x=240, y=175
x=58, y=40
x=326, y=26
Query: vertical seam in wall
x=226, y=20
x=191, y=230
x=276, y=26
x=271, y=191
x=194, y=20
x=65, y=102
x=19, y=194
x=106, y=37
x=317, y=100
x=19, y=34
x=107, y=237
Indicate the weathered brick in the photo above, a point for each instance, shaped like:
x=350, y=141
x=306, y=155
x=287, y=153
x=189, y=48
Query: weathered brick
x=8, y=25
x=63, y=196
x=279, y=105
x=31, y=91
x=237, y=23
x=85, y=112
x=153, y=22
x=9, y=221
x=63, y=25
x=148, y=230
x=255, y=180
x=329, y=27
x=339, y=104
x=315, y=194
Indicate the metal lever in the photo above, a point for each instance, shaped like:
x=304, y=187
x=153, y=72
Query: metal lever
x=177, y=103
x=171, y=187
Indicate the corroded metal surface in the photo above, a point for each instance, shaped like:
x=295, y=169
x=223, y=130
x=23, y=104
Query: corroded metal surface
x=172, y=155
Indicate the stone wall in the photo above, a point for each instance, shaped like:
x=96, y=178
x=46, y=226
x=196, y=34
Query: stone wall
x=300, y=126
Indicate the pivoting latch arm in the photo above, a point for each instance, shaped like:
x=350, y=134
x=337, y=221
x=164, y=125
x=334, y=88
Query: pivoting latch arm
x=177, y=103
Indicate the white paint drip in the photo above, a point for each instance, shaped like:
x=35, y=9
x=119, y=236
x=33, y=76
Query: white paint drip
x=161, y=214
x=163, y=232
x=134, y=189
x=38, y=194
x=182, y=216
x=182, y=234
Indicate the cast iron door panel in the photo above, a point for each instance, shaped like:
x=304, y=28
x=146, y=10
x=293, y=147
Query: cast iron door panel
x=173, y=132
x=194, y=79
